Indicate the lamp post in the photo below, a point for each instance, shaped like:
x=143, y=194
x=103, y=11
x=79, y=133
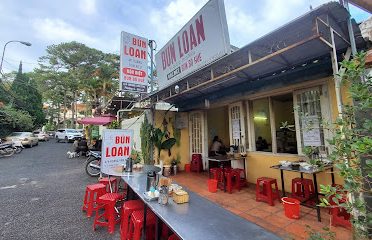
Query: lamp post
x=2, y=58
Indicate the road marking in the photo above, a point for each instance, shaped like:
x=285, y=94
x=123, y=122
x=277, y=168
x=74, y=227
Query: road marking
x=35, y=199
x=8, y=187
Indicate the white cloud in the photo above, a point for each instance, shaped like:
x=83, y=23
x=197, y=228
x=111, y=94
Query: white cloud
x=88, y=7
x=57, y=30
x=172, y=17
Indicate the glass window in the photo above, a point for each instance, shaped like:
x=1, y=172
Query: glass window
x=261, y=120
x=285, y=129
x=310, y=119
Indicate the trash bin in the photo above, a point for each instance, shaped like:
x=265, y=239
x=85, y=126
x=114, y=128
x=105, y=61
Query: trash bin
x=212, y=185
x=187, y=167
x=291, y=207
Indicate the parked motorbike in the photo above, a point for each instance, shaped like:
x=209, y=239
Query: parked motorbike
x=92, y=164
x=6, y=149
x=17, y=146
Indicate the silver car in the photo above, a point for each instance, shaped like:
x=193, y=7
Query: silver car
x=42, y=136
x=26, y=138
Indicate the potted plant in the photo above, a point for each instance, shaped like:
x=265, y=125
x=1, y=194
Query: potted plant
x=175, y=163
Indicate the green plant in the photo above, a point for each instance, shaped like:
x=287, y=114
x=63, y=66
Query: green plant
x=146, y=142
x=114, y=125
x=352, y=148
x=326, y=234
x=157, y=137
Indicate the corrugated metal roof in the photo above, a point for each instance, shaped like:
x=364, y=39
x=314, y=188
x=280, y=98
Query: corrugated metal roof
x=303, y=40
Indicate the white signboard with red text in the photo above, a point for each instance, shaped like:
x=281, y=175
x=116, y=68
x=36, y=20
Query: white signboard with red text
x=133, y=63
x=116, y=148
x=202, y=40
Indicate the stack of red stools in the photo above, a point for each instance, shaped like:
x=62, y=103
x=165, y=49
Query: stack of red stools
x=232, y=179
x=196, y=163
x=136, y=223
x=110, y=216
x=266, y=193
x=128, y=208
x=302, y=189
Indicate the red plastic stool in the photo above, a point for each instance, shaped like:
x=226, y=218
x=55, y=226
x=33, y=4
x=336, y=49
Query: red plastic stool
x=196, y=163
x=232, y=180
x=128, y=208
x=302, y=189
x=109, y=217
x=173, y=237
x=266, y=194
x=114, y=184
x=339, y=216
x=92, y=193
x=136, y=223
x=242, y=180
x=215, y=173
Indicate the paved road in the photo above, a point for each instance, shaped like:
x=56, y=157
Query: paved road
x=41, y=194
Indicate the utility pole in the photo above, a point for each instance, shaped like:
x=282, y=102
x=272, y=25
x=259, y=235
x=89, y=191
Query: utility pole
x=151, y=45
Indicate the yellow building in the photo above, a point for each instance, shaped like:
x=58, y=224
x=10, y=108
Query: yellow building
x=270, y=89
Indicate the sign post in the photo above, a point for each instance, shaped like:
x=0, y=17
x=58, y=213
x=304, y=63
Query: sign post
x=116, y=148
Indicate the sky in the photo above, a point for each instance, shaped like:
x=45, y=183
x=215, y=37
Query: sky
x=98, y=23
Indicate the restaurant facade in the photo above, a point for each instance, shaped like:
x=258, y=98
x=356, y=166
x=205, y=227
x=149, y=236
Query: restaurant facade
x=281, y=89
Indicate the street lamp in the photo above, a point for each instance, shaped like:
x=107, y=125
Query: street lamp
x=2, y=58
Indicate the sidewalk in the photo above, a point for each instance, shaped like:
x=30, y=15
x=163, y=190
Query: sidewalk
x=271, y=218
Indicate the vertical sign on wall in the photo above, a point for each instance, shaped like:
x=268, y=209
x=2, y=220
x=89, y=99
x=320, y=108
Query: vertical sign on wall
x=116, y=148
x=133, y=63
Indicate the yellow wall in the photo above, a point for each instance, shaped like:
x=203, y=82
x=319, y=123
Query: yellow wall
x=258, y=165
x=183, y=148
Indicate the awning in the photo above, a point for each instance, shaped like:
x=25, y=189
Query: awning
x=103, y=120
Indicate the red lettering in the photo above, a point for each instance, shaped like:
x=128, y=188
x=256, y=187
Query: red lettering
x=185, y=42
x=117, y=138
x=127, y=139
x=142, y=54
x=163, y=60
x=179, y=47
x=120, y=151
x=200, y=29
x=113, y=151
x=126, y=151
x=107, y=152
x=192, y=38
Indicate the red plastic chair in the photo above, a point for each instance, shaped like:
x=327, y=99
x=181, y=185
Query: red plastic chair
x=266, y=193
x=196, y=163
x=92, y=193
x=339, y=216
x=173, y=237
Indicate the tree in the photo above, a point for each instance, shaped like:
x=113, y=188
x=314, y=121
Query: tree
x=27, y=97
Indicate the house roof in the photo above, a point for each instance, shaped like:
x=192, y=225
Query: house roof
x=304, y=43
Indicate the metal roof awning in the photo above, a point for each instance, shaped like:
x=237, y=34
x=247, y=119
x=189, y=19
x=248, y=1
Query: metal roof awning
x=306, y=40
x=102, y=120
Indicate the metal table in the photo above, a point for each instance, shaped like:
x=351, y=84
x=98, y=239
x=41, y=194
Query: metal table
x=221, y=162
x=198, y=219
x=312, y=171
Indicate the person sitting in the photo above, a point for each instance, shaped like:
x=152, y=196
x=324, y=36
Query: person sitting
x=82, y=146
x=217, y=147
x=261, y=144
x=97, y=144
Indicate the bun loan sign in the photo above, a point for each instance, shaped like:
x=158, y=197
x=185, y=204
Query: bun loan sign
x=116, y=148
x=133, y=63
x=201, y=41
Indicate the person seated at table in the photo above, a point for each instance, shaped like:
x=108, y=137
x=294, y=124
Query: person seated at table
x=261, y=144
x=82, y=146
x=217, y=148
x=97, y=144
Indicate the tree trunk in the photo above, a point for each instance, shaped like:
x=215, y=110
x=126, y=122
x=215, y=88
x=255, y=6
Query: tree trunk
x=64, y=108
x=73, y=110
x=58, y=114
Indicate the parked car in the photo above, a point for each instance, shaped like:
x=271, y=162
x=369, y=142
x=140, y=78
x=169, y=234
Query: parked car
x=42, y=136
x=26, y=138
x=67, y=135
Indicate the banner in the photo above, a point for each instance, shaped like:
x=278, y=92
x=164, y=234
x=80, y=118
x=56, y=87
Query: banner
x=204, y=39
x=133, y=63
x=116, y=148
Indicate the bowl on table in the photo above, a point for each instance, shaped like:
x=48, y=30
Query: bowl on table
x=285, y=163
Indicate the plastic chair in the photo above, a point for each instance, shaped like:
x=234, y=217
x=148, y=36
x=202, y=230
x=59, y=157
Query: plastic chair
x=136, y=223
x=114, y=184
x=128, y=208
x=266, y=193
